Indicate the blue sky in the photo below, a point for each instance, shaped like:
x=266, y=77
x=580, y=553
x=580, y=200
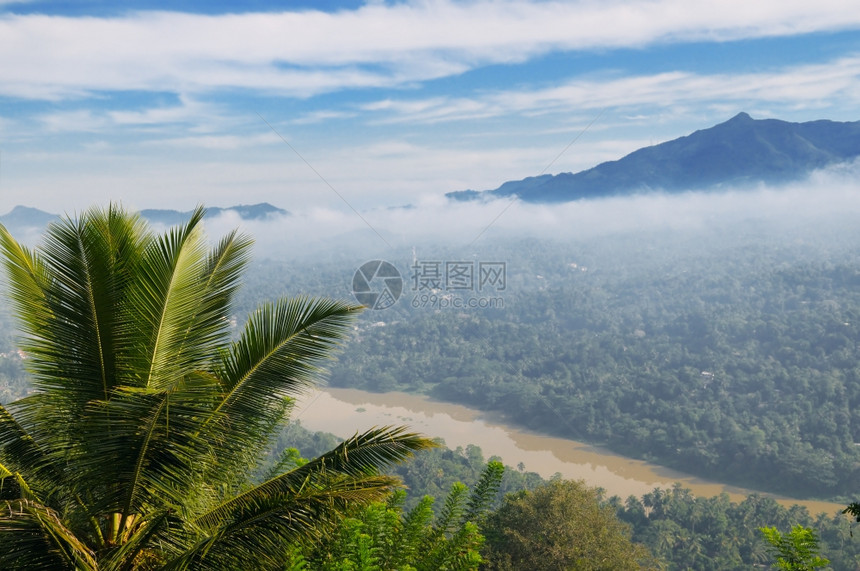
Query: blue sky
x=169, y=105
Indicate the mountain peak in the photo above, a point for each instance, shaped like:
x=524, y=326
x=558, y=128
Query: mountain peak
x=26, y=216
x=743, y=116
x=740, y=152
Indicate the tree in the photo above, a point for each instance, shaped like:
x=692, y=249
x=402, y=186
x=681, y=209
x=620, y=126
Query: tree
x=561, y=526
x=382, y=537
x=796, y=550
x=135, y=450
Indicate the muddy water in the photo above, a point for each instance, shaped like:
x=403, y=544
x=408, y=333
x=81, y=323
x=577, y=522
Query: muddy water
x=345, y=411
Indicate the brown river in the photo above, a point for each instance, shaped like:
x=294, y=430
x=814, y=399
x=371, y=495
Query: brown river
x=346, y=411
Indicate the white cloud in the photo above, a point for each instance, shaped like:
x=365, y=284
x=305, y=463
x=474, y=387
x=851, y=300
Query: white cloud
x=302, y=53
x=817, y=85
x=186, y=110
x=219, y=142
x=73, y=121
x=188, y=116
x=320, y=116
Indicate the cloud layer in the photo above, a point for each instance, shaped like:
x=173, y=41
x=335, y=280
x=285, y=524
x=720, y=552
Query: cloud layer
x=378, y=45
x=391, y=101
x=827, y=201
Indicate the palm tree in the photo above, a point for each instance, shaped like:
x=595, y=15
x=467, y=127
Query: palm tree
x=134, y=450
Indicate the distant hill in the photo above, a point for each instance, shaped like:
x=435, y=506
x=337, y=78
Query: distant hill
x=25, y=218
x=261, y=211
x=741, y=151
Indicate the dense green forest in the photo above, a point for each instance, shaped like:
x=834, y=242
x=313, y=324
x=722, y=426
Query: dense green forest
x=736, y=361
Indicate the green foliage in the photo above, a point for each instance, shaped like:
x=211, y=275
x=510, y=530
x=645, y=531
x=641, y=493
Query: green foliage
x=735, y=362
x=429, y=472
x=561, y=526
x=382, y=536
x=796, y=550
x=149, y=417
x=683, y=530
x=715, y=534
x=853, y=510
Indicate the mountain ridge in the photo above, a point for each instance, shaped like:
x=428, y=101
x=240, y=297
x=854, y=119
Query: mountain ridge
x=26, y=217
x=740, y=152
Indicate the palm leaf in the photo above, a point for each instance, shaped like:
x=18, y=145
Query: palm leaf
x=271, y=525
x=219, y=282
x=301, y=505
x=277, y=356
x=90, y=261
x=21, y=454
x=69, y=302
x=279, y=350
x=27, y=284
x=208, y=329
x=163, y=302
x=162, y=528
x=32, y=536
x=259, y=532
x=363, y=455
x=146, y=447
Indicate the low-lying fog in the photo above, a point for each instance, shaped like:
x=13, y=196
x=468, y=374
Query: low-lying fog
x=826, y=205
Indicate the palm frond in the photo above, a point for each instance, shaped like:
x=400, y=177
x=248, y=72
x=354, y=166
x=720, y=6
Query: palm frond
x=32, y=536
x=259, y=528
x=277, y=356
x=21, y=454
x=89, y=262
x=146, y=448
x=9, y=487
x=362, y=456
x=69, y=309
x=218, y=282
x=280, y=348
x=163, y=528
x=163, y=302
x=27, y=287
x=223, y=273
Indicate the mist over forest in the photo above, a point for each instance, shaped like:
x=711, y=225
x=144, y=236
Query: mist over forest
x=823, y=202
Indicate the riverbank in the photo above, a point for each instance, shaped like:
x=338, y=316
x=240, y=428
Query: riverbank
x=345, y=411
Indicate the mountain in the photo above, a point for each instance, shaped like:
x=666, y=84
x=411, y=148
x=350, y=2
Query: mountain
x=24, y=218
x=742, y=151
x=262, y=211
